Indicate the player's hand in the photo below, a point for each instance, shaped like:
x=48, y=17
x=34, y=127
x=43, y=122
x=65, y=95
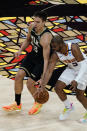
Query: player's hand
x=38, y=82
x=73, y=85
x=39, y=89
x=17, y=54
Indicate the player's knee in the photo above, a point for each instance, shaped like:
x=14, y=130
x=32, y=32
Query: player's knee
x=57, y=89
x=59, y=86
x=20, y=75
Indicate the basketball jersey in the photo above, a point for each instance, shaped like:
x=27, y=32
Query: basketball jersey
x=69, y=59
x=35, y=42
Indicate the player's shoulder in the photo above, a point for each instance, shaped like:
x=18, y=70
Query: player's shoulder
x=47, y=35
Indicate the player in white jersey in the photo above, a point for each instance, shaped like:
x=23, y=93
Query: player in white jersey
x=75, y=74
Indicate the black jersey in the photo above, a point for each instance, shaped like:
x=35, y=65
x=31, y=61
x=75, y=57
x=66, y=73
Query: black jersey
x=33, y=63
x=37, y=49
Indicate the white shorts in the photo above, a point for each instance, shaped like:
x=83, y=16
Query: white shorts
x=69, y=75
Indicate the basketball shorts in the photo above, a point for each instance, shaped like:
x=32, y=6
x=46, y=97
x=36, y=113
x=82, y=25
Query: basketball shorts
x=32, y=68
x=69, y=75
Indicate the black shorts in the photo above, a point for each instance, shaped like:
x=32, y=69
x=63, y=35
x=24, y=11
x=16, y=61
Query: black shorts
x=32, y=67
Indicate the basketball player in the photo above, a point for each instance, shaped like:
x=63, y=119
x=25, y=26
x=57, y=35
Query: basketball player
x=75, y=74
x=35, y=63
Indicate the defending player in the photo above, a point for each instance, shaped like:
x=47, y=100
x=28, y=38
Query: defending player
x=75, y=74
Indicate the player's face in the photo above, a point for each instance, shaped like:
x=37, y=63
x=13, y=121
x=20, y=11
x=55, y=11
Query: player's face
x=38, y=24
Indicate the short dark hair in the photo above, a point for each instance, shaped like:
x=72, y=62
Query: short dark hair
x=57, y=39
x=41, y=14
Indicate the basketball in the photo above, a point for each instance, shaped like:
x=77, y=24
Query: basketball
x=43, y=97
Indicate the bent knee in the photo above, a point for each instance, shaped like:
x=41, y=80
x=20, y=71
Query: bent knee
x=59, y=86
x=58, y=89
x=20, y=75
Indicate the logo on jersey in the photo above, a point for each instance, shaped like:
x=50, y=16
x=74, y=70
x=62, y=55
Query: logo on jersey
x=35, y=43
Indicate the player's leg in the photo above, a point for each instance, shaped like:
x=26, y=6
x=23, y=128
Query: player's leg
x=80, y=94
x=30, y=85
x=59, y=88
x=16, y=106
x=64, y=80
x=36, y=108
x=35, y=75
x=19, y=85
x=82, y=99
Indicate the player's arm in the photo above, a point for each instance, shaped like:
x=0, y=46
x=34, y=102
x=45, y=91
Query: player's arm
x=45, y=42
x=77, y=52
x=26, y=43
x=51, y=66
x=81, y=61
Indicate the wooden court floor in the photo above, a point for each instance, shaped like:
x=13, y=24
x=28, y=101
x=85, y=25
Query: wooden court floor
x=46, y=120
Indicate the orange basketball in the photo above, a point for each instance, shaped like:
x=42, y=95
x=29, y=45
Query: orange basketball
x=43, y=97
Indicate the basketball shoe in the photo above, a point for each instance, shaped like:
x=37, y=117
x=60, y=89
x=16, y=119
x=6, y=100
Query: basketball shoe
x=12, y=107
x=84, y=119
x=35, y=109
x=64, y=115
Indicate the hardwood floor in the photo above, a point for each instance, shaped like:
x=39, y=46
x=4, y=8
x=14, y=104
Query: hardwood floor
x=46, y=120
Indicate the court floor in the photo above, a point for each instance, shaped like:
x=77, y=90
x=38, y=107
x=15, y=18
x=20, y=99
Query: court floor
x=46, y=120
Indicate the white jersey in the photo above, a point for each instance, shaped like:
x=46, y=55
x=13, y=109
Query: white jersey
x=75, y=70
x=69, y=59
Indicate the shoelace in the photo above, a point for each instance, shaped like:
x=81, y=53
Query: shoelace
x=66, y=109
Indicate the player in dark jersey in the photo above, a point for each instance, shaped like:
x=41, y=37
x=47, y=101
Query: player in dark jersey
x=35, y=63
